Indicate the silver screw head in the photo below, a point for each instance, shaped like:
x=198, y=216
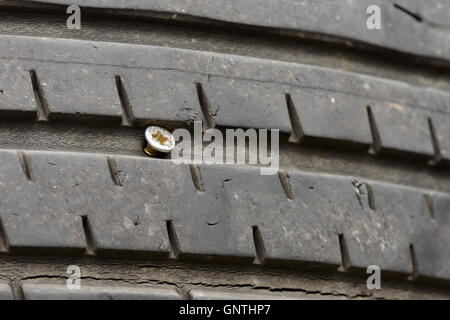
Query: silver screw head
x=159, y=139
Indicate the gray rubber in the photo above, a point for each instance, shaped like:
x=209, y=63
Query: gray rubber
x=5, y=292
x=215, y=294
x=328, y=216
x=78, y=77
x=100, y=203
x=60, y=292
x=407, y=26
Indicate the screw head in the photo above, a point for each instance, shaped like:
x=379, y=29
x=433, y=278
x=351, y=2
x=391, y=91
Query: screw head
x=159, y=139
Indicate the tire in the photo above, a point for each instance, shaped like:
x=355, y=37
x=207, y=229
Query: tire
x=364, y=125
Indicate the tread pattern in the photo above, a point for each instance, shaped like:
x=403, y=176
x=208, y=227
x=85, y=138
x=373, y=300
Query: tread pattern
x=379, y=222
x=5, y=292
x=50, y=291
x=402, y=20
x=105, y=205
x=58, y=291
x=224, y=294
x=79, y=77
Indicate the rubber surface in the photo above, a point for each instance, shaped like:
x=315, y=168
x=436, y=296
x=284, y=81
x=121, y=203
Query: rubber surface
x=374, y=222
x=60, y=292
x=93, y=202
x=78, y=77
x=407, y=26
x=52, y=291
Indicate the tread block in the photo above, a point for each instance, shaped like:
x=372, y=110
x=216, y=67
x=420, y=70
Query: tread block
x=37, y=214
x=231, y=190
x=432, y=253
x=323, y=113
x=42, y=291
x=399, y=214
x=345, y=19
x=193, y=214
x=16, y=91
x=378, y=221
x=5, y=292
x=442, y=130
x=78, y=77
x=168, y=95
x=247, y=104
x=81, y=89
x=119, y=218
x=215, y=294
x=400, y=129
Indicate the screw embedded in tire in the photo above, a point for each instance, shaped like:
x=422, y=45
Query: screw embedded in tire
x=159, y=141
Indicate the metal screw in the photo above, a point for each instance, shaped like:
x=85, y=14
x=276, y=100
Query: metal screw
x=159, y=140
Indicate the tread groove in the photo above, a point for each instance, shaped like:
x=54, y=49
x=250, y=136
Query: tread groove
x=376, y=139
x=414, y=263
x=4, y=243
x=184, y=293
x=205, y=107
x=17, y=290
x=197, y=177
x=42, y=109
x=413, y=15
x=260, y=249
x=285, y=23
x=25, y=162
x=91, y=247
x=370, y=196
x=112, y=166
x=345, y=255
x=297, y=130
x=173, y=240
x=430, y=206
x=127, y=110
x=437, y=150
x=286, y=184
